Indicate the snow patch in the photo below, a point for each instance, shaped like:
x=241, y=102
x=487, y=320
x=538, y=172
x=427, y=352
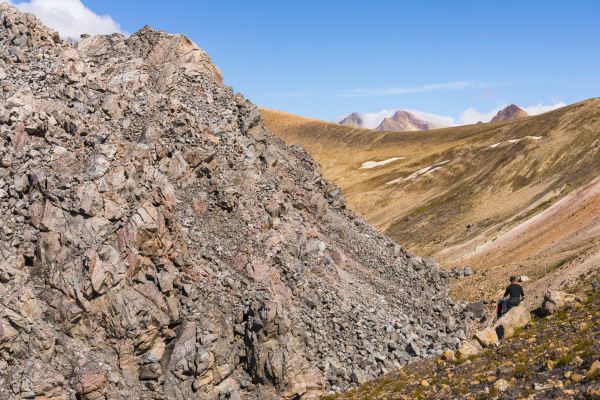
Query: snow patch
x=516, y=140
x=373, y=164
x=423, y=171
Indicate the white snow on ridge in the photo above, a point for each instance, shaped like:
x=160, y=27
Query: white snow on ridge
x=373, y=164
x=516, y=140
x=423, y=171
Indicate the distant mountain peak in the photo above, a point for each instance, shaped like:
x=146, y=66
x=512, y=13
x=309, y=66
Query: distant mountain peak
x=353, y=119
x=404, y=121
x=400, y=121
x=510, y=112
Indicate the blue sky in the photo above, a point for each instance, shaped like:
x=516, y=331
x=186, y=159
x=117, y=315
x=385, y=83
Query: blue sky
x=322, y=59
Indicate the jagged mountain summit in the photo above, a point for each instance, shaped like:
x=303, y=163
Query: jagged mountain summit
x=405, y=121
x=400, y=121
x=508, y=113
x=158, y=241
x=353, y=119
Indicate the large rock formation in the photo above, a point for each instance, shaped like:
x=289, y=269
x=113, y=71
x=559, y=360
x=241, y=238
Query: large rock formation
x=508, y=113
x=157, y=241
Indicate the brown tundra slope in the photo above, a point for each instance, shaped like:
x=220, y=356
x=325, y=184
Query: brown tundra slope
x=157, y=242
x=517, y=197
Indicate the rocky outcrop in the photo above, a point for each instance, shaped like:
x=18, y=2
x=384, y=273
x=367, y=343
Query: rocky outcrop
x=510, y=112
x=157, y=241
x=554, y=301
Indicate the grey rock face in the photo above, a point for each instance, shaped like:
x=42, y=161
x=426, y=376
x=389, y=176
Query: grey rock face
x=157, y=241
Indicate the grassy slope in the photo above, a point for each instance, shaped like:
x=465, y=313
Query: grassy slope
x=492, y=189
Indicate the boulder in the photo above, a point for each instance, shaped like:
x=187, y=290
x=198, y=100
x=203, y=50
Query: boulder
x=554, y=301
x=469, y=348
x=516, y=317
x=486, y=337
x=477, y=309
x=596, y=286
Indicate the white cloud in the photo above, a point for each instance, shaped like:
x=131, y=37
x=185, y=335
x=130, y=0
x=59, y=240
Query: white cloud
x=472, y=116
x=540, y=108
x=449, y=86
x=70, y=17
x=372, y=120
x=441, y=120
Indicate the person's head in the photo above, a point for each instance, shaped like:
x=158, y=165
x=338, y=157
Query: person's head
x=512, y=279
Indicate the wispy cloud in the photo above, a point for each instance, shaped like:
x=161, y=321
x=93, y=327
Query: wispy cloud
x=70, y=17
x=485, y=94
x=540, y=108
x=472, y=116
x=449, y=86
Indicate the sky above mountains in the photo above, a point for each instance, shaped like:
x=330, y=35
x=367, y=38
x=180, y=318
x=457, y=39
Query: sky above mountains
x=461, y=61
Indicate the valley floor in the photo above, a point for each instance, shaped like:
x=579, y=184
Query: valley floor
x=556, y=357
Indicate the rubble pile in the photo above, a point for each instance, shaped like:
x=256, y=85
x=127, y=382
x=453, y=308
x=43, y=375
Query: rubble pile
x=156, y=241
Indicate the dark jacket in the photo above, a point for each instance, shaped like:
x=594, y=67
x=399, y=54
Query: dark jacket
x=515, y=291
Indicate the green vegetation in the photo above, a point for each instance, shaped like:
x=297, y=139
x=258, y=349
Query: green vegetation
x=564, y=360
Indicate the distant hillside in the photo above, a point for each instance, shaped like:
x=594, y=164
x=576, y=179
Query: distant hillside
x=508, y=113
x=516, y=197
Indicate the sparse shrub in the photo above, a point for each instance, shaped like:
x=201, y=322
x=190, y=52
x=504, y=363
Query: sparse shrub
x=564, y=360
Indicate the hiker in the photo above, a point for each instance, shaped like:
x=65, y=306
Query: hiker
x=515, y=295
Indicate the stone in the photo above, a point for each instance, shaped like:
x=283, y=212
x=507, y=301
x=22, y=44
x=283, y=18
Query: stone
x=468, y=349
x=554, y=301
x=449, y=355
x=477, y=309
x=516, y=317
x=596, y=286
x=594, y=368
x=486, y=337
x=576, y=378
x=501, y=385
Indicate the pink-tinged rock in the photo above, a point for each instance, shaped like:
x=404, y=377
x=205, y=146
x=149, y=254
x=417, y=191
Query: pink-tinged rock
x=178, y=167
x=182, y=362
x=90, y=201
x=258, y=270
x=53, y=217
x=306, y=384
x=90, y=381
x=20, y=137
x=198, y=207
